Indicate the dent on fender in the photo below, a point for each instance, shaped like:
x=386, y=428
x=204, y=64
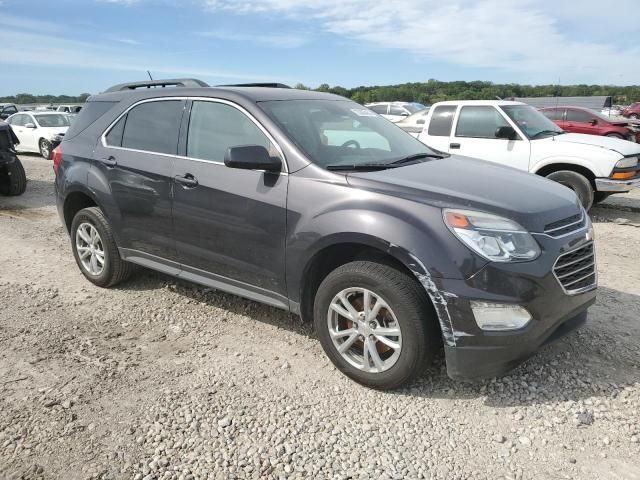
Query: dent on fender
x=438, y=298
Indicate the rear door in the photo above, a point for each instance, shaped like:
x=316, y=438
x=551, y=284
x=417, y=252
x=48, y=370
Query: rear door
x=474, y=136
x=136, y=157
x=229, y=224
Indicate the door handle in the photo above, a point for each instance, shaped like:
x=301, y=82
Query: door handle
x=454, y=145
x=109, y=161
x=187, y=180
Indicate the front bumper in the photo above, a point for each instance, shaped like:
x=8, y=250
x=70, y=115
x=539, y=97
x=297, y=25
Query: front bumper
x=609, y=185
x=475, y=353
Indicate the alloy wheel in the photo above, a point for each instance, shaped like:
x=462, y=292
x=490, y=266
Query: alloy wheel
x=364, y=330
x=90, y=248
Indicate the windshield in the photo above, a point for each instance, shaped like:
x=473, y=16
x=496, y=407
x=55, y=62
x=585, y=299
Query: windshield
x=342, y=132
x=532, y=123
x=57, y=120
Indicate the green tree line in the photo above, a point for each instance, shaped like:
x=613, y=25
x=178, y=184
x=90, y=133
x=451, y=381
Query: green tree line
x=436, y=91
x=27, y=98
x=424, y=92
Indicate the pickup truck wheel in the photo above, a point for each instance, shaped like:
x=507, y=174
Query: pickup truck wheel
x=576, y=182
x=375, y=324
x=45, y=149
x=13, y=181
x=95, y=249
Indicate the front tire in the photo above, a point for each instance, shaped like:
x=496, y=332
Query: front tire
x=576, y=182
x=45, y=149
x=615, y=135
x=375, y=324
x=95, y=249
x=634, y=116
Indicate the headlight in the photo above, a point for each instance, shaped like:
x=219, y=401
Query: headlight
x=495, y=238
x=627, y=162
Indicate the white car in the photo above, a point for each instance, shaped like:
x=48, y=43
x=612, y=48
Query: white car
x=69, y=108
x=38, y=130
x=413, y=123
x=395, y=111
x=519, y=136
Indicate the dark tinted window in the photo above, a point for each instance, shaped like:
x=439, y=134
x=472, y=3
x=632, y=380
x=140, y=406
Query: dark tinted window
x=214, y=127
x=10, y=110
x=381, y=109
x=479, y=122
x=441, y=121
x=89, y=114
x=153, y=127
x=114, y=137
x=553, y=113
x=578, y=116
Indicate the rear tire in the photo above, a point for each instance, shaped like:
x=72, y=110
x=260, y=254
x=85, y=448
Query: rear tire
x=406, y=309
x=15, y=181
x=576, y=182
x=111, y=269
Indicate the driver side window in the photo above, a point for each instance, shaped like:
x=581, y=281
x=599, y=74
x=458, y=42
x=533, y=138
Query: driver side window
x=479, y=122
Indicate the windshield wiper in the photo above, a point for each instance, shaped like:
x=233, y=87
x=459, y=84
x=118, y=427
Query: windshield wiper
x=361, y=166
x=541, y=132
x=416, y=156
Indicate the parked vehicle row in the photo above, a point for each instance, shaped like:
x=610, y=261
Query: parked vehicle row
x=316, y=205
x=519, y=136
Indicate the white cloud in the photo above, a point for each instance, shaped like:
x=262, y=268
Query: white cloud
x=272, y=40
x=522, y=36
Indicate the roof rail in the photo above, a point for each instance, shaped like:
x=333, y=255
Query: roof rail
x=259, y=84
x=176, y=82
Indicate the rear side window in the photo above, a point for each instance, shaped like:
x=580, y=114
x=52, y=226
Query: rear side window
x=214, y=127
x=479, y=122
x=393, y=110
x=578, y=116
x=18, y=120
x=153, y=127
x=114, y=137
x=89, y=114
x=441, y=121
x=553, y=113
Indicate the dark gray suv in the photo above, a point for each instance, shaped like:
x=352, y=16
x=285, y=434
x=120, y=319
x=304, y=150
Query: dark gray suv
x=314, y=204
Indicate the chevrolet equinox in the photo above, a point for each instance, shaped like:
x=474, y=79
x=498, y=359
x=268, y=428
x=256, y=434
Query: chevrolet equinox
x=314, y=204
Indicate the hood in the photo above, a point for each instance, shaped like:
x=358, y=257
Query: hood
x=462, y=182
x=623, y=147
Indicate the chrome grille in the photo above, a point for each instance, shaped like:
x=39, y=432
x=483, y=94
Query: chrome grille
x=576, y=270
x=565, y=226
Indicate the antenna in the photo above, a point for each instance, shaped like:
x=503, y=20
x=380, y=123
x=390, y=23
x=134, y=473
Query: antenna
x=150, y=77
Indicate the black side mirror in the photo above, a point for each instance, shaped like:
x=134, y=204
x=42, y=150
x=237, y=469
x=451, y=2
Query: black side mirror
x=506, y=132
x=251, y=157
x=593, y=121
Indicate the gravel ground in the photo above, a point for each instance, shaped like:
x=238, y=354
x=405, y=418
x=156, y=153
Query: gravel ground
x=160, y=379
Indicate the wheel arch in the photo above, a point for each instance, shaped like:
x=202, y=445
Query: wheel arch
x=75, y=201
x=556, y=167
x=339, y=250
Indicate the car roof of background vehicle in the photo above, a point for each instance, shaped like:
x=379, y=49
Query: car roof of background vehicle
x=479, y=102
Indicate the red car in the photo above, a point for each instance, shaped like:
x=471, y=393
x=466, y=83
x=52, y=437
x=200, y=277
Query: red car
x=585, y=120
x=632, y=111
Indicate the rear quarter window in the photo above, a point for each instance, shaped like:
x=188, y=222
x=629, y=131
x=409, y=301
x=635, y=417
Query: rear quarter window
x=442, y=121
x=154, y=127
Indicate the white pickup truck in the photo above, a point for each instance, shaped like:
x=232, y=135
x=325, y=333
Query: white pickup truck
x=517, y=135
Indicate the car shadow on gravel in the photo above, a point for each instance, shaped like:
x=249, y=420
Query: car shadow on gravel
x=597, y=361
x=39, y=194
x=146, y=280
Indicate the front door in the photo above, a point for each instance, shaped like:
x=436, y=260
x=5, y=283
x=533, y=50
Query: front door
x=136, y=159
x=474, y=135
x=579, y=121
x=229, y=224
